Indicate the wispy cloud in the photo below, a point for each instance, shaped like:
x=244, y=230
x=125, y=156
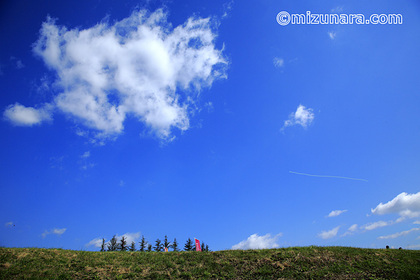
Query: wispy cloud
x=398, y=234
x=97, y=242
x=258, y=242
x=140, y=66
x=328, y=176
x=351, y=230
x=329, y=234
x=17, y=62
x=336, y=213
x=332, y=35
x=227, y=7
x=303, y=117
x=278, y=62
x=56, y=231
x=85, y=154
x=375, y=225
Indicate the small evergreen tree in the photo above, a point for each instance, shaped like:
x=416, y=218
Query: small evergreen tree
x=112, y=245
x=166, y=243
x=103, y=245
x=207, y=248
x=175, y=245
x=123, y=244
x=158, y=245
x=132, y=246
x=189, y=245
x=143, y=244
x=149, y=247
x=203, y=247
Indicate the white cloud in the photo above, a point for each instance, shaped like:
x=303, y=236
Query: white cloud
x=258, y=242
x=329, y=234
x=278, y=62
x=398, y=234
x=130, y=237
x=336, y=213
x=416, y=222
x=332, y=35
x=375, y=225
x=139, y=67
x=302, y=117
x=97, y=242
x=227, y=7
x=56, y=231
x=85, y=155
x=18, y=63
x=406, y=205
x=337, y=9
x=351, y=230
x=26, y=116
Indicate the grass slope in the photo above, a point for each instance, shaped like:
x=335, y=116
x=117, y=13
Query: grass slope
x=287, y=263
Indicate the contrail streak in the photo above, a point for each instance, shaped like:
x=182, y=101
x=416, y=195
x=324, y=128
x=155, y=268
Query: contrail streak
x=328, y=176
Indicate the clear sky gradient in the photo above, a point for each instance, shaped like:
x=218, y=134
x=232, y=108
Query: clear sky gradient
x=208, y=119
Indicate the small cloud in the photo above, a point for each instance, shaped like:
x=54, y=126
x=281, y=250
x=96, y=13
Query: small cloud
x=375, y=225
x=351, y=230
x=398, y=234
x=303, y=117
x=9, y=224
x=258, y=242
x=97, y=242
x=26, y=116
x=18, y=63
x=227, y=7
x=336, y=213
x=85, y=155
x=416, y=222
x=122, y=183
x=130, y=237
x=56, y=231
x=87, y=166
x=332, y=35
x=210, y=107
x=278, y=62
x=329, y=234
x=337, y=9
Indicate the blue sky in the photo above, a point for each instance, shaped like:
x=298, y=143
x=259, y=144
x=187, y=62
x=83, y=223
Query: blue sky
x=208, y=120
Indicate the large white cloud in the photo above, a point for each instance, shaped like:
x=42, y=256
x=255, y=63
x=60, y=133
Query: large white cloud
x=27, y=116
x=406, y=205
x=258, y=242
x=140, y=67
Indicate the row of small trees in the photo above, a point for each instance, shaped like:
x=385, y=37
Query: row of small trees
x=114, y=245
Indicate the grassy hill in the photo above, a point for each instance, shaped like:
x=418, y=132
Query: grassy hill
x=287, y=263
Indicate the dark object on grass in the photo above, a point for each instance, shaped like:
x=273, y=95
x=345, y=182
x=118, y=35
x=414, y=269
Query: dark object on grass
x=400, y=248
x=387, y=246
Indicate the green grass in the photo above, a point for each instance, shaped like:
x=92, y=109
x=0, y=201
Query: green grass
x=287, y=263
